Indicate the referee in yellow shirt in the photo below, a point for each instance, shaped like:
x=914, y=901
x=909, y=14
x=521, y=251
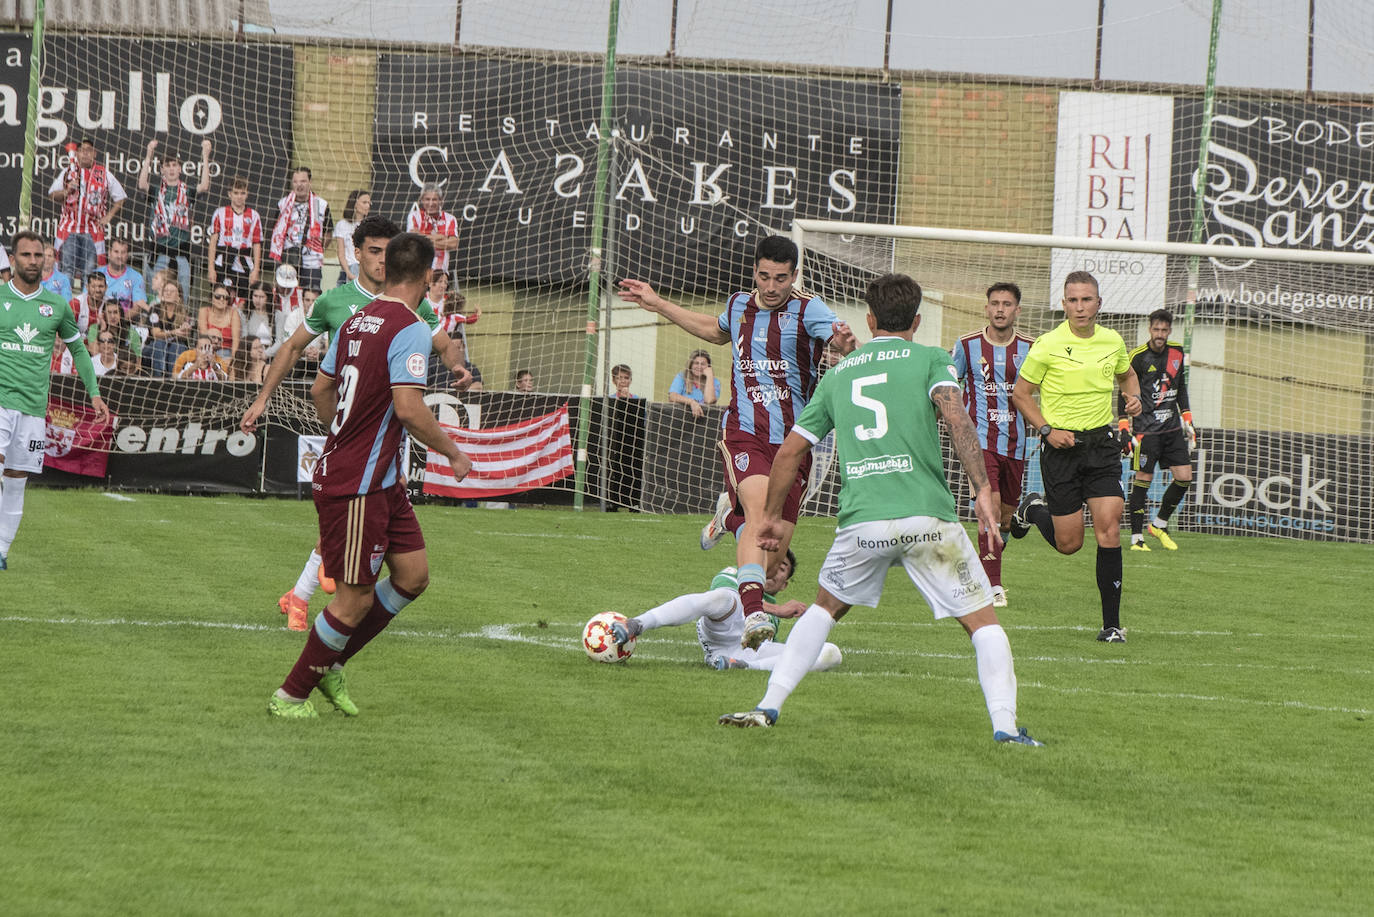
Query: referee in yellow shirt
x=1073, y=368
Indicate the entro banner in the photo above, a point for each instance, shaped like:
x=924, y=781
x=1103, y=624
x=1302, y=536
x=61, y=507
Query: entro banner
x=77, y=442
x=505, y=460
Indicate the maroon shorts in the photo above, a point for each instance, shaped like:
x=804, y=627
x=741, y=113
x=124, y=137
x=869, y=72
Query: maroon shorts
x=1006, y=476
x=744, y=455
x=356, y=533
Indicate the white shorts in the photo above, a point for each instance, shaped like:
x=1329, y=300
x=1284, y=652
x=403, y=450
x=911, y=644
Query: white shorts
x=721, y=638
x=23, y=439
x=937, y=555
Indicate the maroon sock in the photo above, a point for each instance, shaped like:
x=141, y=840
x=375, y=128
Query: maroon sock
x=376, y=621
x=751, y=595
x=318, y=655
x=992, y=562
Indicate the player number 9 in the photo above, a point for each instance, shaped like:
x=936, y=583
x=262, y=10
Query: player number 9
x=348, y=387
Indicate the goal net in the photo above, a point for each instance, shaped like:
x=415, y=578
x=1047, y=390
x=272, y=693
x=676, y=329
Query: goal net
x=725, y=122
x=1277, y=377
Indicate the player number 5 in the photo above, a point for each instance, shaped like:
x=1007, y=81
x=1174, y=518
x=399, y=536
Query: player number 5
x=348, y=387
x=856, y=395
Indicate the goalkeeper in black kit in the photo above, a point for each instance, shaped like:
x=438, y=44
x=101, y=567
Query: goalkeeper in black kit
x=1162, y=435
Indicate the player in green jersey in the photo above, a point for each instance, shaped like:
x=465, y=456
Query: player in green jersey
x=719, y=616
x=895, y=504
x=1072, y=368
x=31, y=321
x=327, y=315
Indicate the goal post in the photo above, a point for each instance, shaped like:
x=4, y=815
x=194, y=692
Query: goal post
x=1281, y=349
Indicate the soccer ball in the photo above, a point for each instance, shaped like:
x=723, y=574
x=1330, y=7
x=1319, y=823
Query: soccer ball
x=600, y=644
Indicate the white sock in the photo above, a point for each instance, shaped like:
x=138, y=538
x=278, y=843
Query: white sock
x=11, y=510
x=717, y=604
x=997, y=675
x=1159, y=523
x=800, y=652
x=309, y=580
x=766, y=657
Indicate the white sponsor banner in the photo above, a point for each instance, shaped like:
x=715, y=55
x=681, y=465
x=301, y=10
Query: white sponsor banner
x=1111, y=181
x=308, y=449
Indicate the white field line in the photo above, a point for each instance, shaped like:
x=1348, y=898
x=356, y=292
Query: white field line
x=122, y=498
x=510, y=633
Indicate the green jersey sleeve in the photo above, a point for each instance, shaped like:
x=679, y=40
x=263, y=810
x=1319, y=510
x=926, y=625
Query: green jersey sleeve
x=426, y=312
x=818, y=417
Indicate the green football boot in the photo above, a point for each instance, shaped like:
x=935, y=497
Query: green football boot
x=335, y=690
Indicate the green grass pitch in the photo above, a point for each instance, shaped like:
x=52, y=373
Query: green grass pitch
x=1218, y=763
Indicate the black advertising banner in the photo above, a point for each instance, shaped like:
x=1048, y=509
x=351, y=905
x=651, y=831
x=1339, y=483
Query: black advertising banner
x=14, y=106
x=175, y=437
x=1280, y=175
x=1310, y=486
x=122, y=93
x=703, y=162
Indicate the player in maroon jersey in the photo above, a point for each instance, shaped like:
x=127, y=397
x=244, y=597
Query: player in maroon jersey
x=369, y=390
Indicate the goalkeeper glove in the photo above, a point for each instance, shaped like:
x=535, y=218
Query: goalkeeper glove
x=1189, y=431
x=1124, y=439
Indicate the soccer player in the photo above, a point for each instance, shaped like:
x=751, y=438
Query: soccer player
x=776, y=333
x=720, y=621
x=327, y=315
x=369, y=390
x=1072, y=368
x=1163, y=432
x=32, y=319
x=895, y=504
x=987, y=362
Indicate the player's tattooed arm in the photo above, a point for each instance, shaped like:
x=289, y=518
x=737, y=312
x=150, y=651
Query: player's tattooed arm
x=962, y=435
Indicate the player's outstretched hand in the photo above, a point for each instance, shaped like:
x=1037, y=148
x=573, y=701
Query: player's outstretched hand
x=102, y=411
x=769, y=533
x=640, y=293
x=842, y=338
x=789, y=609
x=462, y=379
x=249, y=422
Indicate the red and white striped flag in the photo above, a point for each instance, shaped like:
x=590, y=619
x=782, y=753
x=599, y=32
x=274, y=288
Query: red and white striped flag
x=505, y=460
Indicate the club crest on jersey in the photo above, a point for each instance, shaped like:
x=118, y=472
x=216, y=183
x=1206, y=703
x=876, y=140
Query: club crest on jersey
x=416, y=364
x=742, y=461
x=45, y=310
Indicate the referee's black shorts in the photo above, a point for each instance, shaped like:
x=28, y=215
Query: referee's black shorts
x=1090, y=468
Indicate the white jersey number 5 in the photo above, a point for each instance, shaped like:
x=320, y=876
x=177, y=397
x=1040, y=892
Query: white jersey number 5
x=856, y=395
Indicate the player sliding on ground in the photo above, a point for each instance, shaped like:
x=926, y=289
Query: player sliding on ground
x=720, y=621
x=895, y=504
x=776, y=333
x=370, y=389
x=326, y=317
